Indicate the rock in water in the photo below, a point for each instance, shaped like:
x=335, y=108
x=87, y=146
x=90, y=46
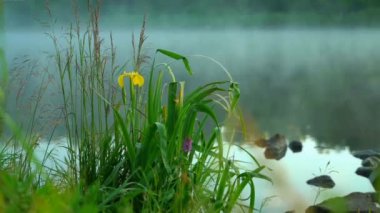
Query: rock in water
x=276, y=147
x=323, y=181
x=371, y=162
x=354, y=202
x=364, y=171
x=363, y=154
x=295, y=146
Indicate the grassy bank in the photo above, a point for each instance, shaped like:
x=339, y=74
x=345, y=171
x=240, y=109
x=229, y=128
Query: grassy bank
x=137, y=139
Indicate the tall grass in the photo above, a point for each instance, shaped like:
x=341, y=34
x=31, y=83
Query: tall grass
x=135, y=144
x=3, y=66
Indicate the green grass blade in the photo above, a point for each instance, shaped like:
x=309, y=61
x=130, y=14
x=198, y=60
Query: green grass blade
x=151, y=147
x=234, y=92
x=201, y=107
x=238, y=189
x=177, y=56
x=250, y=155
x=131, y=152
x=223, y=183
x=172, y=107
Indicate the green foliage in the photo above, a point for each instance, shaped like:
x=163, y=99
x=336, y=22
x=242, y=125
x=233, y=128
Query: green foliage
x=3, y=67
x=128, y=149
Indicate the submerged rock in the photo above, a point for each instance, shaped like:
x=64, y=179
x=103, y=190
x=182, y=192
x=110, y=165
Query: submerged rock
x=323, y=181
x=354, y=202
x=363, y=154
x=295, y=146
x=276, y=147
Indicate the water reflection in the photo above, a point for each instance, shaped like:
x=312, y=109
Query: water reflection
x=290, y=191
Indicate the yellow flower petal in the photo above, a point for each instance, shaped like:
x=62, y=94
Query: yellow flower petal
x=138, y=80
x=120, y=79
x=135, y=77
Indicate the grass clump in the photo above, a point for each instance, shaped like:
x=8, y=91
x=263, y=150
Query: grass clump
x=136, y=142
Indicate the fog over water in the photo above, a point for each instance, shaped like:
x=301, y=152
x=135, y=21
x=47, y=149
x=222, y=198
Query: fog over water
x=308, y=70
x=321, y=82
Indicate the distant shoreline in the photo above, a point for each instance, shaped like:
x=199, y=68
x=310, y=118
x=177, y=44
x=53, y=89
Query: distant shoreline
x=212, y=21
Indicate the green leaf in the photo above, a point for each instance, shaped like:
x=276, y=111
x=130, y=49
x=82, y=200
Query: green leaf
x=172, y=111
x=234, y=94
x=171, y=54
x=238, y=189
x=203, y=91
x=177, y=56
x=163, y=145
x=125, y=136
x=151, y=147
x=154, y=97
x=223, y=182
x=201, y=107
x=250, y=155
x=187, y=65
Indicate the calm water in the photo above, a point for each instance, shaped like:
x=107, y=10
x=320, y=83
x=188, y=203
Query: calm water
x=314, y=85
x=321, y=82
x=289, y=190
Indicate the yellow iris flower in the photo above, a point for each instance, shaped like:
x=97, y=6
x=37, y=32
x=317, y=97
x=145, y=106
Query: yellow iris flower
x=136, y=78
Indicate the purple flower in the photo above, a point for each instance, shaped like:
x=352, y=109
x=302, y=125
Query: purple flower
x=187, y=145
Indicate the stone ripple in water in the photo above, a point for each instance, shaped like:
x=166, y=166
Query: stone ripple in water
x=290, y=190
x=323, y=181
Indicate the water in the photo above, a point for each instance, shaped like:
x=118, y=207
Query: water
x=316, y=85
x=319, y=86
x=289, y=190
x=319, y=82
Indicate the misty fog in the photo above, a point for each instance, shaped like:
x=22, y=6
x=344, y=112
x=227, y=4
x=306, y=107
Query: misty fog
x=301, y=72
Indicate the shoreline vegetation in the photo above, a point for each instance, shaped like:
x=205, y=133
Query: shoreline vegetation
x=223, y=21
x=137, y=138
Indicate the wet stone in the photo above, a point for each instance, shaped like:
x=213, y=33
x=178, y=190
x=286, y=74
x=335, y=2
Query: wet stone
x=276, y=147
x=363, y=154
x=354, y=202
x=295, y=146
x=323, y=181
x=364, y=171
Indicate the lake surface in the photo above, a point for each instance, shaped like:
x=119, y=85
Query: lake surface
x=289, y=190
x=320, y=86
x=319, y=82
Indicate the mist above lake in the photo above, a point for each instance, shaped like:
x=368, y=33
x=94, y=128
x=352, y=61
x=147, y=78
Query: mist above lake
x=321, y=82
